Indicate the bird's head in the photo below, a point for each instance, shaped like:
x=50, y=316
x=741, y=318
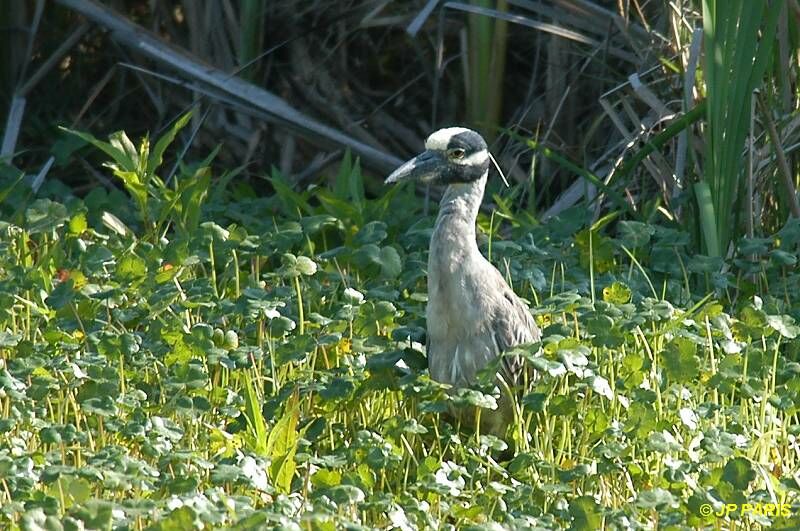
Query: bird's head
x=452, y=155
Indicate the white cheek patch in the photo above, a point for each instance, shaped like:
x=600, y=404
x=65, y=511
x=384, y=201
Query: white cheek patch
x=475, y=159
x=441, y=138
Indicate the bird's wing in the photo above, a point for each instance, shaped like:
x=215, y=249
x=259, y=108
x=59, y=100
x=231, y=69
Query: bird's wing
x=512, y=325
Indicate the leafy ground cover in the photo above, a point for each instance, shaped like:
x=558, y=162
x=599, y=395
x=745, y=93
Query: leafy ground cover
x=193, y=356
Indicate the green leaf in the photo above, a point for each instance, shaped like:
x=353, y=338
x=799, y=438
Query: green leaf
x=563, y=406
x=633, y=234
x=641, y=421
x=306, y=266
x=231, y=340
x=748, y=246
x=718, y=444
x=214, y=232
x=226, y=474
x=257, y=427
x=134, y=185
x=345, y=494
x=281, y=325
x=95, y=514
x=349, y=184
x=182, y=485
x=596, y=421
x=131, y=267
x=9, y=339
x=49, y=436
x=9, y=182
x=120, y=140
x=782, y=258
x=157, y=153
x=192, y=191
x=655, y=499
x=45, y=215
x=314, y=224
x=101, y=405
x=391, y=265
x=166, y=428
x=337, y=389
x=115, y=224
x=739, y=473
x=294, y=266
x=63, y=148
x=704, y=264
x=585, y=514
x=367, y=255
x=291, y=201
x=78, y=224
x=553, y=368
x=339, y=208
x=784, y=325
x=282, y=445
x=35, y=519
x=341, y=185
x=472, y=397
x=680, y=360
x=372, y=232
x=79, y=490
x=601, y=386
x=118, y=155
x=752, y=323
x=617, y=293
x=600, y=254
x=62, y=295
x=326, y=478
x=709, y=222
x=178, y=520
x=574, y=359
x=536, y=402
x=789, y=235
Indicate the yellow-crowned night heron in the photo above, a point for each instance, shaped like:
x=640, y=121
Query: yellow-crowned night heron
x=473, y=315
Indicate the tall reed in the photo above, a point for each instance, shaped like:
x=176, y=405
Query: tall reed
x=738, y=37
x=487, y=58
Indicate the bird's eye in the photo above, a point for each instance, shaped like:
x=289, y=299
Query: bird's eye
x=457, y=154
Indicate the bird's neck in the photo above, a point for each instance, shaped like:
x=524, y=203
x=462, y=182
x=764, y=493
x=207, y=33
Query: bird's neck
x=454, y=234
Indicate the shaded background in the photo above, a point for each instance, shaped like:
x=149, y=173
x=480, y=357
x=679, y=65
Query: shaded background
x=385, y=73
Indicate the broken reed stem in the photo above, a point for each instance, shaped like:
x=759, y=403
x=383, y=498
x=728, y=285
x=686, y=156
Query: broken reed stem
x=783, y=165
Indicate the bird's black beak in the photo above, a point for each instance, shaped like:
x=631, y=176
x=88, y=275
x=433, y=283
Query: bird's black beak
x=424, y=167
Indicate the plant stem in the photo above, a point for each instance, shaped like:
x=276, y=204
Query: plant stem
x=300, y=314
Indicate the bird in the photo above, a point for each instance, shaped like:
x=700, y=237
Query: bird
x=472, y=315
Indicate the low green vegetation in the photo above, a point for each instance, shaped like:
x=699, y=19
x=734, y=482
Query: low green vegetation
x=191, y=355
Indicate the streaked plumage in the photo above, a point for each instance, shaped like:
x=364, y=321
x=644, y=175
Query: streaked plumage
x=472, y=315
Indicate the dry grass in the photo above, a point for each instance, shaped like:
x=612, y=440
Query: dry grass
x=592, y=81
x=351, y=65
